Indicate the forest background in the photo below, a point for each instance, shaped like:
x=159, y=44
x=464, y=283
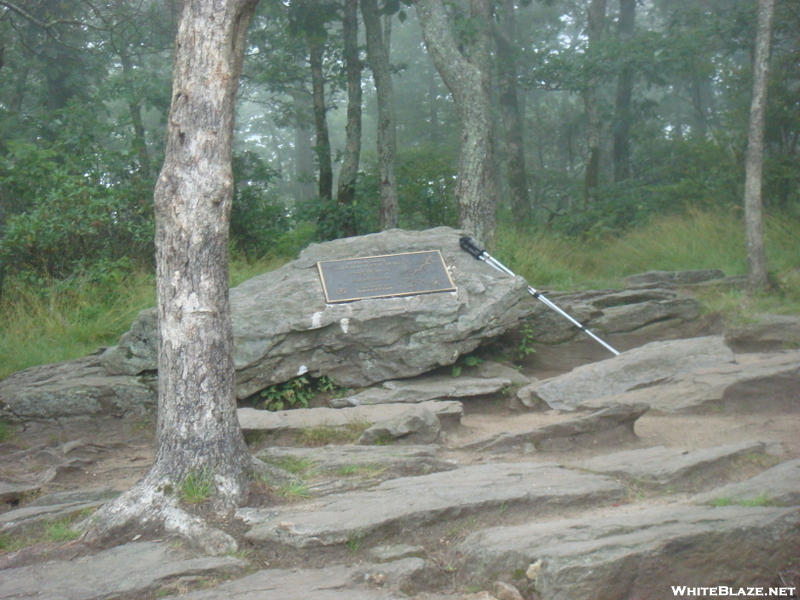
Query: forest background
x=618, y=139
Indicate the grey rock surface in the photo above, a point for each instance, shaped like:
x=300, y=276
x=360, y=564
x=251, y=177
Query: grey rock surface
x=124, y=571
x=330, y=583
x=283, y=327
x=607, y=311
x=11, y=493
x=755, y=383
x=639, y=553
x=19, y=518
x=669, y=467
x=768, y=333
x=420, y=389
x=403, y=460
x=639, y=368
x=778, y=486
x=415, y=502
x=418, y=425
x=76, y=388
x=287, y=421
x=610, y=425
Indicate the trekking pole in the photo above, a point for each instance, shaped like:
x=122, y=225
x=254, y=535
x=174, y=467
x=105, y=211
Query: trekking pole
x=469, y=246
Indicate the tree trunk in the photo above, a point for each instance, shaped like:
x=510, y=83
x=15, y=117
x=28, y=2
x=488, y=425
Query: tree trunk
x=378, y=57
x=622, y=105
x=323, y=144
x=467, y=75
x=198, y=432
x=352, y=149
x=754, y=236
x=138, y=142
x=513, y=122
x=594, y=31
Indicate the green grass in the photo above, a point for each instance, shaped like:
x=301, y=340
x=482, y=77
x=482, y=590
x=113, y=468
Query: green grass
x=53, y=531
x=697, y=240
x=197, y=486
x=760, y=500
x=42, y=324
x=293, y=491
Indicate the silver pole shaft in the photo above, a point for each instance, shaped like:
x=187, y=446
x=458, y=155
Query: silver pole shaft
x=490, y=260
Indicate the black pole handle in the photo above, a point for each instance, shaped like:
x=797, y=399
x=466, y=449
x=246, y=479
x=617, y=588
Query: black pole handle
x=468, y=245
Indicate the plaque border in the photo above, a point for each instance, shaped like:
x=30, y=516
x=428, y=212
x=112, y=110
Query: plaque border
x=452, y=287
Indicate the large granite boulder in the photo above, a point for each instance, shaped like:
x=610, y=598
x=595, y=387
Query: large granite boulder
x=284, y=328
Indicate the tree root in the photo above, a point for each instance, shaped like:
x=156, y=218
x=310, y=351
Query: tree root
x=151, y=506
x=145, y=509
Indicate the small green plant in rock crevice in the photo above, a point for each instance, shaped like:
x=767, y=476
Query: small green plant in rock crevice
x=526, y=342
x=465, y=361
x=296, y=393
x=196, y=487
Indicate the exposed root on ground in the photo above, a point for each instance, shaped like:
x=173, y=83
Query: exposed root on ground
x=154, y=507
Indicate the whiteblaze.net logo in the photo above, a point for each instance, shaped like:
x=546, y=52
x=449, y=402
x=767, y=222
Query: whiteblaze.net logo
x=725, y=591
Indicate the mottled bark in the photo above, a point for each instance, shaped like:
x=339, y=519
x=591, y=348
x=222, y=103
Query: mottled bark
x=352, y=149
x=466, y=73
x=378, y=57
x=754, y=236
x=594, y=32
x=513, y=122
x=322, y=148
x=197, y=431
x=622, y=104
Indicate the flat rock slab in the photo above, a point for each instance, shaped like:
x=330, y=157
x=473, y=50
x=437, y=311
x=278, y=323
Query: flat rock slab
x=668, y=467
x=610, y=425
x=768, y=333
x=635, y=369
x=414, y=502
x=639, y=554
x=76, y=388
x=128, y=570
x=289, y=421
x=330, y=583
x=406, y=460
x=755, y=383
x=778, y=486
x=422, y=389
x=11, y=493
x=19, y=518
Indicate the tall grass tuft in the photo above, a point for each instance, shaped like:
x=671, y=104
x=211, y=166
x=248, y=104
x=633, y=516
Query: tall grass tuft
x=66, y=320
x=695, y=240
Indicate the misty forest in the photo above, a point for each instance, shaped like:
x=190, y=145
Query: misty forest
x=551, y=130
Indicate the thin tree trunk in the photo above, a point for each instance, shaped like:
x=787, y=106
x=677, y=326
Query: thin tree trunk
x=594, y=32
x=469, y=81
x=346, y=192
x=323, y=143
x=138, y=142
x=378, y=57
x=622, y=104
x=754, y=236
x=513, y=122
x=198, y=432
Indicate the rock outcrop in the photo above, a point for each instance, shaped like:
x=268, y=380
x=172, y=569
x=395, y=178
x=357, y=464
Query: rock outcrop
x=284, y=328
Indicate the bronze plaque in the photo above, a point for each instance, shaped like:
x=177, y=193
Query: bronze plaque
x=405, y=274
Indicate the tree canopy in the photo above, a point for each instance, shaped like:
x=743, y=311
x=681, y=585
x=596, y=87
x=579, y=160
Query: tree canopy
x=597, y=121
